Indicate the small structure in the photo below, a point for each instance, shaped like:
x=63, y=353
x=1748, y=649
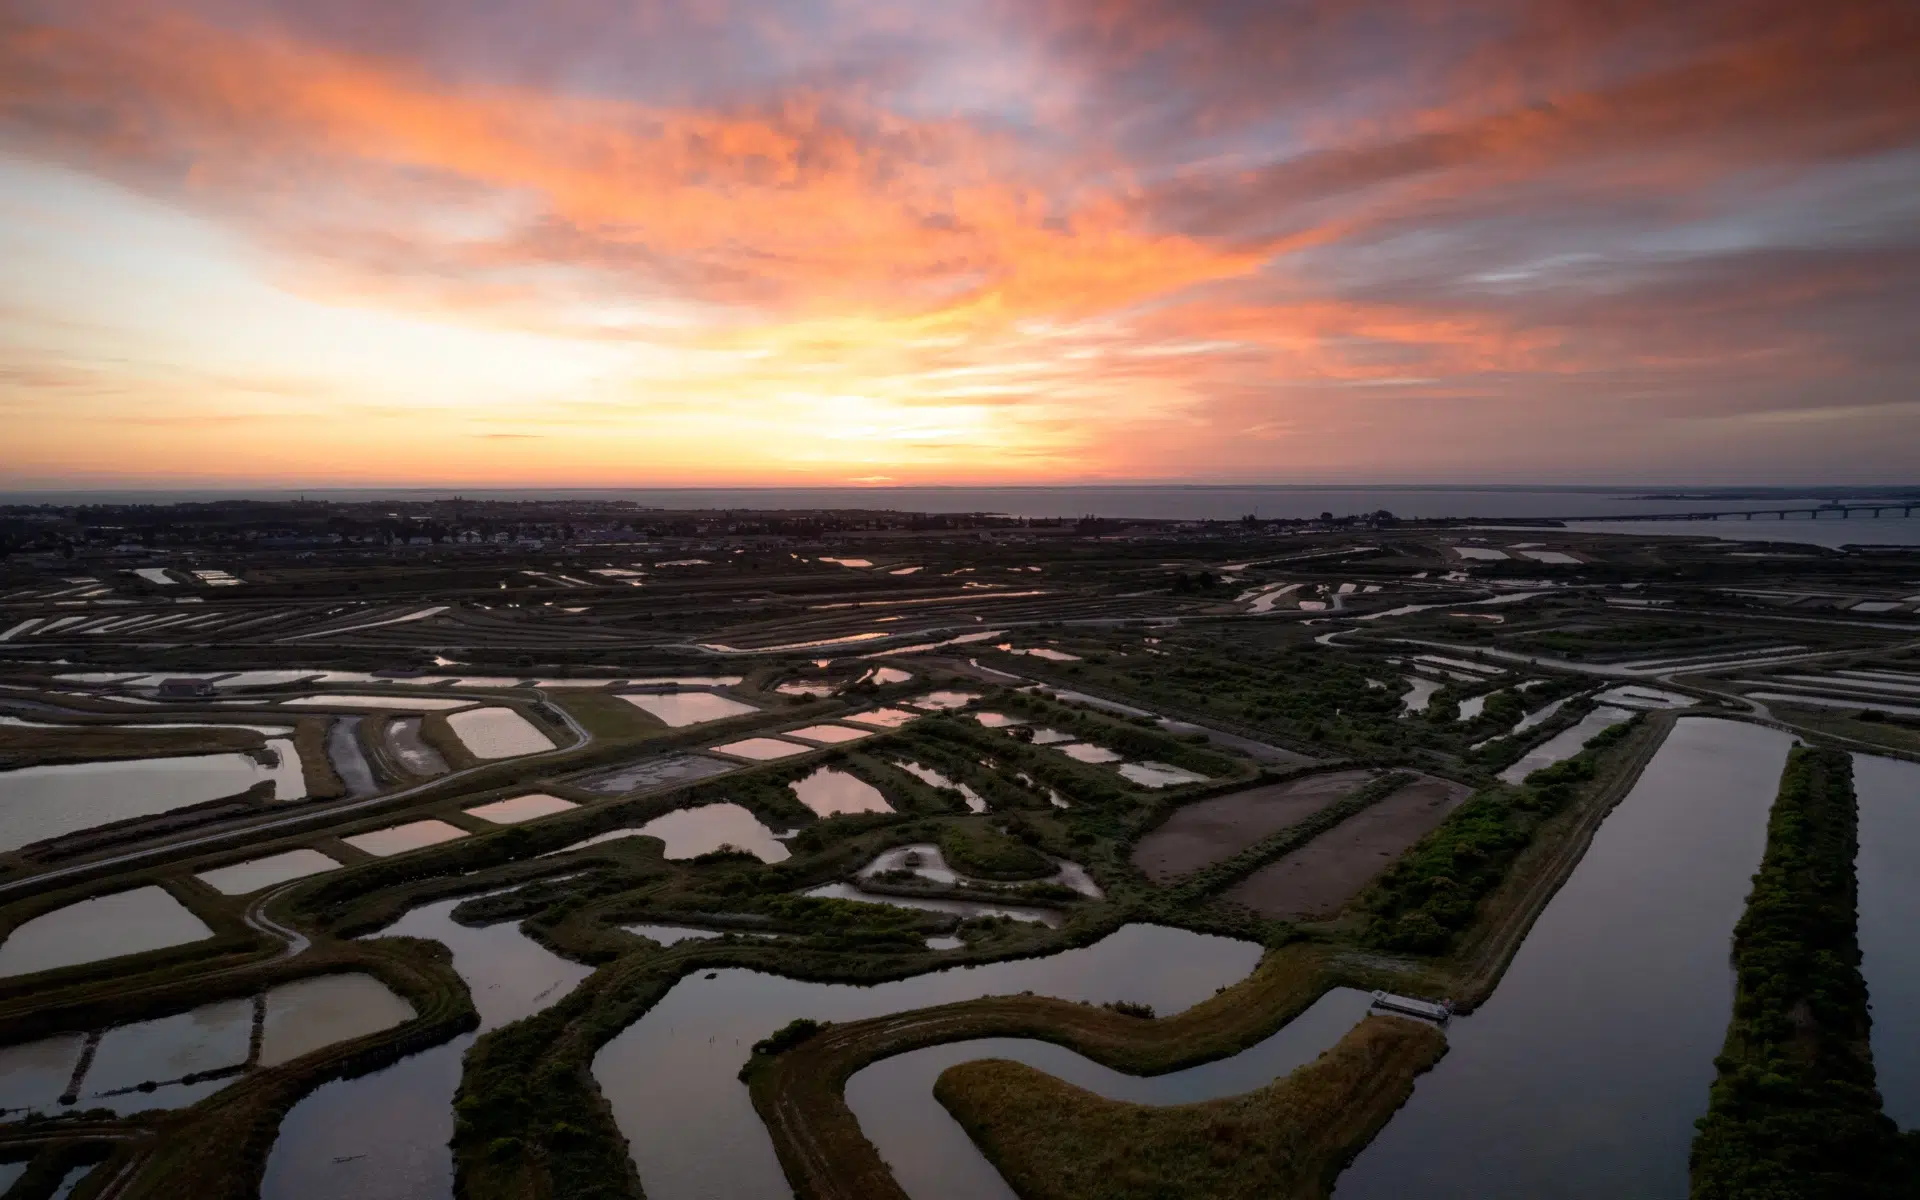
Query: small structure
x=1407, y=1006
x=185, y=689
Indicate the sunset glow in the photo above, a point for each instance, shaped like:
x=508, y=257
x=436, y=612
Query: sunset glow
x=831, y=241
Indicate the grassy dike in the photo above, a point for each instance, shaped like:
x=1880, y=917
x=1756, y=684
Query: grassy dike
x=1794, y=1114
x=1054, y=1141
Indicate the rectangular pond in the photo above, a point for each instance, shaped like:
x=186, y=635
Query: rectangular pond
x=680, y=709
x=238, y=879
x=398, y=839
x=130, y=922
x=498, y=733
x=37, y=803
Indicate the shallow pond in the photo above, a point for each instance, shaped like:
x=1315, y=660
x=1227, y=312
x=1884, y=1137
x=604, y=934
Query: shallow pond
x=933, y=1158
x=1421, y=695
x=883, y=718
x=829, y=735
x=925, y=860
x=1087, y=752
x=1565, y=744
x=944, y=700
x=668, y=935
x=762, y=749
x=807, y=689
x=34, y=1074
x=529, y=807
x=1582, y=1075
x=415, y=755
x=206, y=1038
x=1889, y=792
x=692, y=1131
x=830, y=791
x=1050, y=737
x=1158, y=775
x=498, y=733
x=652, y=772
x=398, y=839
x=680, y=709
x=994, y=720
x=240, y=878
x=932, y=778
x=882, y=676
x=37, y=803
x=691, y=832
x=307, y=1014
x=964, y=909
x=385, y=1136
x=129, y=922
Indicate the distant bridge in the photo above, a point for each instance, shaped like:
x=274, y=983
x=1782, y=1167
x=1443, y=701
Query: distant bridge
x=1815, y=513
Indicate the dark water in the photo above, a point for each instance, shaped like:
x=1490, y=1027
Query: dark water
x=692, y=1131
x=1168, y=502
x=1582, y=1075
x=934, y=1159
x=392, y=1128
x=1889, y=872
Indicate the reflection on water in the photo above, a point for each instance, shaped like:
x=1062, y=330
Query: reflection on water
x=691, y=832
x=310, y=1013
x=1565, y=744
x=934, y=1159
x=829, y=791
x=385, y=1136
x=240, y=878
x=130, y=922
x=414, y=753
x=1086, y=752
x=671, y=1076
x=960, y=908
x=932, y=778
x=498, y=733
x=1889, y=791
x=762, y=749
x=1158, y=775
x=1582, y=1075
x=203, y=1039
x=34, y=1074
x=521, y=808
x=680, y=709
x=45, y=802
x=397, y=839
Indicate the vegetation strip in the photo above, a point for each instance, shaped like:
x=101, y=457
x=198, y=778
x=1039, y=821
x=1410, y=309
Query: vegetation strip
x=1794, y=1113
x=1054, y=1141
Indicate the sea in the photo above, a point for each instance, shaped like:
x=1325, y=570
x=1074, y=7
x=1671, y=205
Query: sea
x=1588, y=506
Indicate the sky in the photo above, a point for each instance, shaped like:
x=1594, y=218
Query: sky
x=789, y=242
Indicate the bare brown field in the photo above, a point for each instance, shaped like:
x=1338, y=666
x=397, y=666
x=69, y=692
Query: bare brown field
x=1321, y=877
x=1210, y=831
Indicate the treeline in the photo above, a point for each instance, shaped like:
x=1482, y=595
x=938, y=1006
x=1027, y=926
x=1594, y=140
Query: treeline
x=1433, y=892
x=1794, y=1114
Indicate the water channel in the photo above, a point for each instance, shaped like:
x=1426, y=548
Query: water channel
x=1582, y=1075
x=385, y=1136
x=1889, y=792
x=671, y=1076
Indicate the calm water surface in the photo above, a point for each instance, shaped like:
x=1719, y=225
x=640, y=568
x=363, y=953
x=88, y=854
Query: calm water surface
x=679, y=709
x=1889, y=791
x=498, y=733
x=1582, y=1075
x=692, y=1131
x=393, y=1126
x=129, y=922
x=934, y=1159
x=43, y=802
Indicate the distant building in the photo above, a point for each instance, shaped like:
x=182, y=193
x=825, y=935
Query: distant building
x=181, y=689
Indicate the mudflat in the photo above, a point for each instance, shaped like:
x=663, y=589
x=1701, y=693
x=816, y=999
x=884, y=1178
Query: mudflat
x=1319, y=878
x=1210, y=831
